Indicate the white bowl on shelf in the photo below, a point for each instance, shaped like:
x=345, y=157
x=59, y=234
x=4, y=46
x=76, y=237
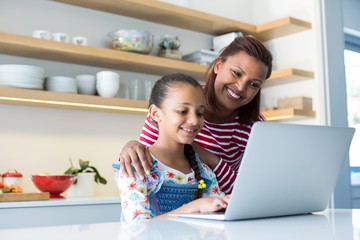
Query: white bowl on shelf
x=86, y=84
x=107, y=83
x=61, y=84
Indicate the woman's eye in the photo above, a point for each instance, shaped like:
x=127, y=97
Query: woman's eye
x=200, y=114
x=255, y=85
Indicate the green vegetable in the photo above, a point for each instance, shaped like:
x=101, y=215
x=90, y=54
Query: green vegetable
x=85, y=167
x=5, y=190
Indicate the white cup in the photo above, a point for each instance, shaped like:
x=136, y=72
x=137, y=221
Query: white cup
x=42, y=34
x=80, y=41
x=107, y=83
x=60, y=37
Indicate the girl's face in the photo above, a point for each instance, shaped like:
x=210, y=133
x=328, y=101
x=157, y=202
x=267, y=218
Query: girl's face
x=181, y=115
x=238, y=80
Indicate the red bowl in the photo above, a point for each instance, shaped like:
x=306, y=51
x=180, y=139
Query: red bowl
x=54, y=184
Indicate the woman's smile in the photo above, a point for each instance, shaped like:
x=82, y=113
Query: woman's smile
x=232, y=94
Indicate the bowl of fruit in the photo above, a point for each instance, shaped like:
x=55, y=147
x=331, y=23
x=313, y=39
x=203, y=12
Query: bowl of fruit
x=54, y=184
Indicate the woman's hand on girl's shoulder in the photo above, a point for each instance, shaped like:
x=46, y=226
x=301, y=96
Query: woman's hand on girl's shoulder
x=135, y=155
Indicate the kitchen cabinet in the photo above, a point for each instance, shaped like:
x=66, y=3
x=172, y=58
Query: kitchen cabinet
x=61, y=211
x=153, y=11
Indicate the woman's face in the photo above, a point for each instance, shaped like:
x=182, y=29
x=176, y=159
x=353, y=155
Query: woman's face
x=238, y=80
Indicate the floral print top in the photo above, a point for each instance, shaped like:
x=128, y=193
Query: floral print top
x=139, y=197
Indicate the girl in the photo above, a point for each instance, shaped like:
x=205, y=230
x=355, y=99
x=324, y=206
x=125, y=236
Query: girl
x=178, y=179
x=232, y=92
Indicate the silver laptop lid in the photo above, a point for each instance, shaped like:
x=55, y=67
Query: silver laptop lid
x=288, y=169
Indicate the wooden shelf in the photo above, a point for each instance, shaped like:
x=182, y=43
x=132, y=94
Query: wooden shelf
x=182, y=17
x=281, y=27
x=30, y=47
x=39, y=98
x=287, y=114
x=25, y=46
x=288, y=75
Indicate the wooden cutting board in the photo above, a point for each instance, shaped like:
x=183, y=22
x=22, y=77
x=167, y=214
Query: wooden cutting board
x=17, y=197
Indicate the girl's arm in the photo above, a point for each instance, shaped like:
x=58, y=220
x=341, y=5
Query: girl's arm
x=134, y=199
x=201, y=205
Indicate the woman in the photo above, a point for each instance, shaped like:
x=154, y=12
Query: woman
x=232, y=93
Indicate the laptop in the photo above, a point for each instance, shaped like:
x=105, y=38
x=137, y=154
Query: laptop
x=287, y=169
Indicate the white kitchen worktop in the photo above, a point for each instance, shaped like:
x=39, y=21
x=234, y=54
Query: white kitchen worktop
x=64, y=211
x=335, y=225
x=63, y=202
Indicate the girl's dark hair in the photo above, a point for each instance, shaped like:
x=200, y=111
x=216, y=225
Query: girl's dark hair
x=248, y=113
x=159, y=93
x=190, y=155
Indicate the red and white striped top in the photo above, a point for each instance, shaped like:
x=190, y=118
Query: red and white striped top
x=226, y=140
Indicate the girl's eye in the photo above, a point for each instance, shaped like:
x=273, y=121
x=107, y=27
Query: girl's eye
x=182, y=112
x=236, y=73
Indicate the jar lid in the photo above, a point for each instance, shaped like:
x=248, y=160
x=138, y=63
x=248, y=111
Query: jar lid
x=12, y=173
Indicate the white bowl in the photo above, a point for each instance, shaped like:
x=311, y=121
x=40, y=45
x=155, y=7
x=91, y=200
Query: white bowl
x=86, y=84
x=88, y=90
x=61, y=84
x=107, y=91
x=107, y=83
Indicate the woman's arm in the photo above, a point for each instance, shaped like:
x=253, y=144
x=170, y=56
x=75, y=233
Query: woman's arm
x=226, y=176
x=224, y=173
x=206, y=157
x=134, y=154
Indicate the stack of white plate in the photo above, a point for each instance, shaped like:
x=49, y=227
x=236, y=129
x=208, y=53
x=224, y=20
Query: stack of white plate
x=23, y=76
x=61, y=84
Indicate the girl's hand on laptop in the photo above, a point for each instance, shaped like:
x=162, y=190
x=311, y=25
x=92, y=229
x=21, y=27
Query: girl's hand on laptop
x=135, y=155
x=201, y=205
x=212, y=204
